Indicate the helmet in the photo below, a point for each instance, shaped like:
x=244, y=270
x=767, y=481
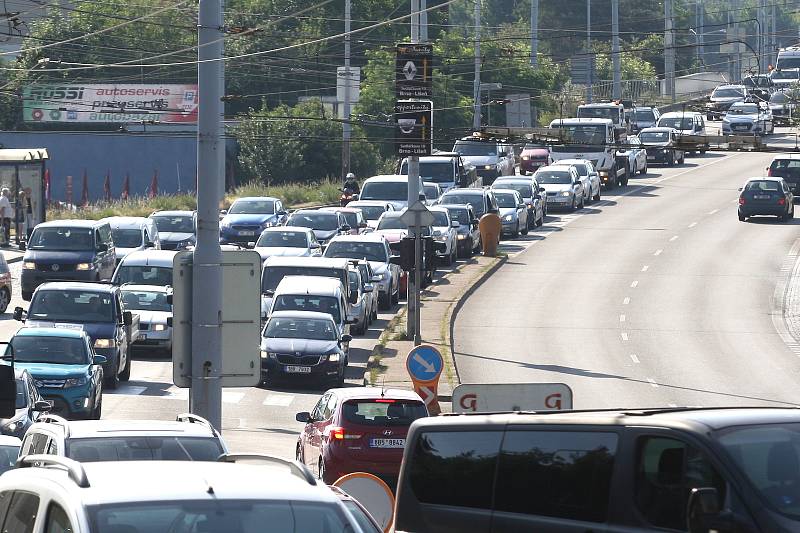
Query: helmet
x=350, y=176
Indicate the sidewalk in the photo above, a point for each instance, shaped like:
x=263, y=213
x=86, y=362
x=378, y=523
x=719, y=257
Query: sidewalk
x=12, y=255
x=440, y=303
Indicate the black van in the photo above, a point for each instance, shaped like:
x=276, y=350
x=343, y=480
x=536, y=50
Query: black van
x=68, y=250
x=682, y=469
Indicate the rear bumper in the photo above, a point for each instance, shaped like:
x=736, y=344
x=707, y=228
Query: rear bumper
x=339, y=462
x=748, y=211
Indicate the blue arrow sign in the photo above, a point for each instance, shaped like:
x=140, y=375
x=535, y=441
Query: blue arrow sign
x=424, y=363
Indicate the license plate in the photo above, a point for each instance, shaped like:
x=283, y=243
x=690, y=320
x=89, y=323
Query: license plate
x=247, y=233
x=761, y=197
x=740, y=127
x=387, y=443
x=298, y=369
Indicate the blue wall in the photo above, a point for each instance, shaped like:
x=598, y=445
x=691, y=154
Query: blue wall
x=134, y=153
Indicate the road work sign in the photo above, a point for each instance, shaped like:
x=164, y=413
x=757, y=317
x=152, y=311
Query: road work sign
x=494, y=397
x=424, y=364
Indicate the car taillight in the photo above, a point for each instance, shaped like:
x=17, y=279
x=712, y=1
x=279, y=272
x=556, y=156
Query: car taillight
x=339, y=433
x=741, y=200
x=769, y=171
x=781, y=201
x=385, y=400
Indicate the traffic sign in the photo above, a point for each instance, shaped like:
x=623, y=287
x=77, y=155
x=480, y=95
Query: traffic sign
x=373, y=493
x=413, y=71
x=493, y=397
x=424, y=363
x=417, y=215
x=413, y=120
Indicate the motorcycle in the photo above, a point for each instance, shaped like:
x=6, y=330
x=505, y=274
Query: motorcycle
x=347, y=197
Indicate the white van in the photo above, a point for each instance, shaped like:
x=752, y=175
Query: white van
x=392, y=188
x=133, y=233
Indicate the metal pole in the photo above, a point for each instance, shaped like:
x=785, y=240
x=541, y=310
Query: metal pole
x=737, y=73
x=206, y=392
x=701, y=26
x=476, y=90
x=534, y=32
x=412, y=300
x=418, y=275
x=347, y=86
x=423, y=21
x=616, y=89
x=414, y=21
x=669, y=50
x=589, y=49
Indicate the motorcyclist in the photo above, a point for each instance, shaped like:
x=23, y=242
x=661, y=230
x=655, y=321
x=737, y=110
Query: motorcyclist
x=351, y=184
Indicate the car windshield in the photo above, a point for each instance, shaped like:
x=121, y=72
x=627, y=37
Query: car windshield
x=282, y=239
x=369, y=250
x=678, y=123
x=143, y=275
x=746, y=109
x=273, y=275
x=8, y=457
x=252, y=207
x=174, y=224
x=62, y=239
x=768, y=456
x=127, y=237
x=654, y=136
x=431, y=192
x=393, y=222
x=762, y=185
x=476, y=148
x=144, y=448
x=385, y=190
x=219, y=515
x=553, y=177
x=645, y=115
x=140, y=300
x=317, y=221
x=789, y=70
x=308, y=302
x=384, y=412
x=440, y=218
x=371, y=212
x=300, y=328
x=778, y=98
x=525, y=190
x=459, y=214
x=70, y=305
x=611, y=113
x=583, y=134
x=727, y=93
x=505, y=199
x=475, y=200
x=436, y=172
x=47, y=349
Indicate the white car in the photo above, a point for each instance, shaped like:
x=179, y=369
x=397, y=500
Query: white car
x=636, y=154
x=444, y=231
x=372, y=210
x=151, y=303
x=748, y=118
x=287, y=241
x=589, y=177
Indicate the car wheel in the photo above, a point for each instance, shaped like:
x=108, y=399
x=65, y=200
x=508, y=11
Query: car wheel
x=125, y=375
x=515, y=233
x=742, y=218
x=111, y=382
x=97, y=412
x=5, y=298
x=321, y=470
x=27, y=296
x=527, y=228
x=671, y=160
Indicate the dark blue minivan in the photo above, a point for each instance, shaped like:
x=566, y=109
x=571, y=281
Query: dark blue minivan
x=68, y=250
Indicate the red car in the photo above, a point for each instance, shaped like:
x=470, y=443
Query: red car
x=533, y=157
x=358, y=429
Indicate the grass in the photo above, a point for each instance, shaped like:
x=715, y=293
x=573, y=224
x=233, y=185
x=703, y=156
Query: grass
x=374, y=364
x=294, y=195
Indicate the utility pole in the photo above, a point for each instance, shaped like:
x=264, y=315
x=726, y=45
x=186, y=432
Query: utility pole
x=415, y=278
x=534, y=32
x=616, y=88
x=701, y=34
x=589, y=49
x=737, y=73
x=669, y=50
x=476, y=90
x=346, y=128
x=205, y=397
x=423, y=21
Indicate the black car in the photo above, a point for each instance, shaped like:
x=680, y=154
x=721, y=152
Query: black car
x=325, y=224
x=661, y=145
x=29, y=406
x=481, y=200
x=787, y=166
x=766, y=196
x=467, y=234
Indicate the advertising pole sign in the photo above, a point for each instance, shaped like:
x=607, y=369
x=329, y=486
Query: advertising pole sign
x=413, y=71
x=413, y=127
x=110, y=103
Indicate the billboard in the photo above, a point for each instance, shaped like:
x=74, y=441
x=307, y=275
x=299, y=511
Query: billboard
x=109, y=103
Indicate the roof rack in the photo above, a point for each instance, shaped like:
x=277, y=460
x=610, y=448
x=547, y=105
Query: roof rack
x=195, y=419
x=74, y=468
x=295, y=468
x=55, y=419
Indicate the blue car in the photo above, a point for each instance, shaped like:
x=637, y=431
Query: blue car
x=64, y=368
x=248, y=217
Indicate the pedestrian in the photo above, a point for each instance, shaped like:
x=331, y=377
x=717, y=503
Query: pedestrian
x=29, y=210
x=6, y=214
x=22, y=228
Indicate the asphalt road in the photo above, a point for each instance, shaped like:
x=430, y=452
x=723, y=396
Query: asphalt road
x=656, y=296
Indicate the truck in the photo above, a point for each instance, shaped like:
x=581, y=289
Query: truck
x=448, y=169
x=595, y=139
x=95, y=308
x=613, y=111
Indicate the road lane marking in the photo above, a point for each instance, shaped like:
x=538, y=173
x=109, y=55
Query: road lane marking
x=652, y=382
x=622, y=318
x=673, y=238
x=634, y=283
x=693, y=224
x=626, y=301
x=624, y=336
x=658, y=252
x=634, y=358
x=714, y=212
x=673, y=405
x=645, y=268
x=278, y=400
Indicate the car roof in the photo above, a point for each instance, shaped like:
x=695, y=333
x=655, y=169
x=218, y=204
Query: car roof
x=321, y=262
x=656, y=129
x=50, y=332
x=174, y=213
x=301, y=314
x=601, y=104
x=73, y=222
x=505, y=191
x=180, y=480
x=366, y=393
x=147, y=288
x=730, y=86
x=318, y=285
x=681, y=114
x=455, y=206
x=431, y=184
x=337, y=209
x=387, y=177
x=362, y=237
x=319, y=211
x=379, y=203
x=149, y=258
x=76, y=286
x=696, y=419
x=127, y=222
x=258, y=198
x=764, y=178
x=83, y=429
x=8, y=440
x=465, y=190
x=438, y=158
x=787, y=156
x=278, y=229
x=438, y=208
x=570, y=121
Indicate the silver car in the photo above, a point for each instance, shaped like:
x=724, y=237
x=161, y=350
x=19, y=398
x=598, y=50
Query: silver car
x=562, y=185
x=590, y=179
x=513, y=212
x=360, y=298
x=287, y=241
x=444, y=231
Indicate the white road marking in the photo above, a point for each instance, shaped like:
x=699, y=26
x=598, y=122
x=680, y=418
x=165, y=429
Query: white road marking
x=242, y=423
x=673, y=405
x=652, y=382
x=658, y=252
x=279, y=400
x=714, y=212
x=634, y=283
x=626, y=301
x=232, y=397
x=645, y=268
x=673, y=238
x=693, y=224
x=622, y=318
x=624, y=336
x=634, y=358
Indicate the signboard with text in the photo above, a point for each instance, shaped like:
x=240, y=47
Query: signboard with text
x=413, y=71
x=502, y=397
x=114, y=103
x=413, y=120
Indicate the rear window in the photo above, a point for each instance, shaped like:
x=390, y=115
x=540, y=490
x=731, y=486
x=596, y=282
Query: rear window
x=788, y=169
x=273, y=275
x=144, y=449
x=383, y=412
x=143, y=275
x=308, y=302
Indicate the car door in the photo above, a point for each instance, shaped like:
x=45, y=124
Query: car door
x=321, y=427
x=109, y=260
x=122, y=338
x=310, y=439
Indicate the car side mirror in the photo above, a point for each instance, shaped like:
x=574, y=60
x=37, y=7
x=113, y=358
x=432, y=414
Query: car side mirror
x=223, y=212
x=346, y=338
x=368, y=287
x=703, y=512
x=102, y=247
x=542, y=189
x=42, y=406
x=169, y=321
x=522, y=206
x=99, y=360
x=455, y=224
x=127, y=318
x=362, y=225
x=282, y=213
x=19, y=314
x=741, y=189
x=304, y=417
x=315, y=246
x=251, y=244
x=346, y=227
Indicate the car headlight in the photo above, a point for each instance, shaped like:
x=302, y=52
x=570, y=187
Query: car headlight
x=105, y=343
x=84, y=266
x=264, y=354
x=76, y=382
x=566, y=193
x=508, y=218
x=225, y=224
x=488, y=167
x=461, y=237
x=12, y=427
x=159, y=327
x=333, y=358
x=525, y=158
x=29, y=265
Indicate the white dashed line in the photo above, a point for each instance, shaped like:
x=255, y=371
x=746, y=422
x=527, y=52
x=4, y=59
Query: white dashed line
x=673, y=238
x=278, y=400
x=634, y=284
x=624, y=336
x=652, y=382
x=645, y=268
x=626, y=301
x=634, y=358
x=673, y=404
x=714, y=212
x=622, y=318
x=658, y=252
x=693, y=224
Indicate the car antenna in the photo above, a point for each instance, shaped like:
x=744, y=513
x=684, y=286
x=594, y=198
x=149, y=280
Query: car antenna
x=383, y=387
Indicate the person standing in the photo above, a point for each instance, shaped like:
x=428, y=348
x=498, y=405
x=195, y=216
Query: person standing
x=6, y=214
x=29, y=221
